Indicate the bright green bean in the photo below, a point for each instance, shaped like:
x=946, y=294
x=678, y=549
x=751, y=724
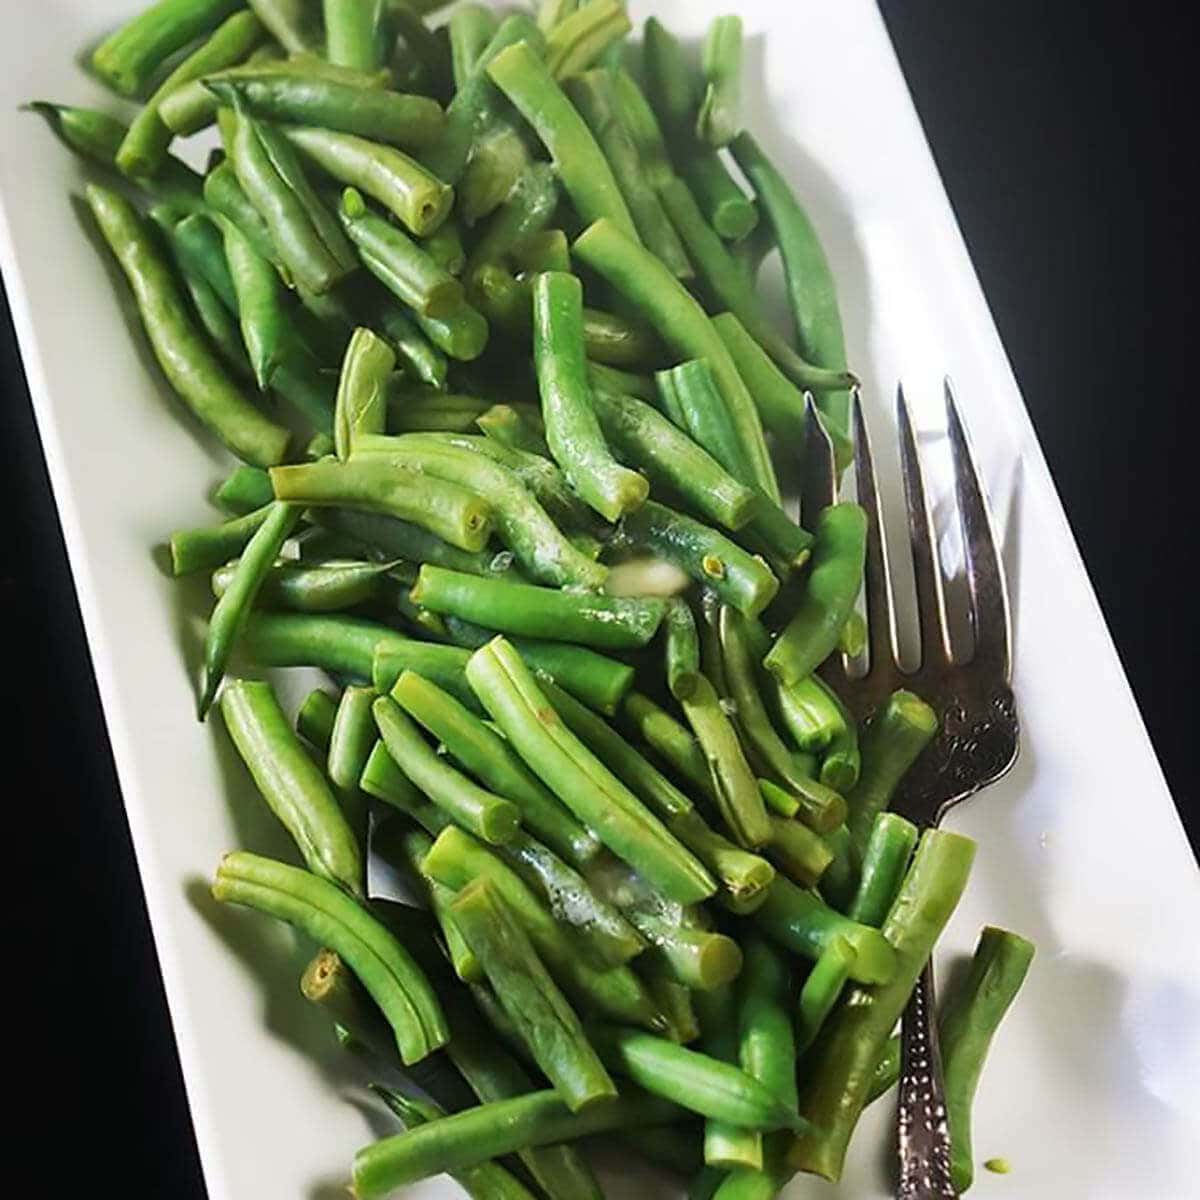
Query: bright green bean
x=822, y=989
x=719, y=119
x=361, y=405
x=354, y=33
x=581, y=37
x=344, y=646
x=884, y=862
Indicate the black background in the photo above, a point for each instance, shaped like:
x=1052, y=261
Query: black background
x=1064, y=134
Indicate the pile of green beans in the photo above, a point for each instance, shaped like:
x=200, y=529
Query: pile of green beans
x=520, y=506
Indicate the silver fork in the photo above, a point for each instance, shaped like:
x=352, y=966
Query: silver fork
x=978, y=736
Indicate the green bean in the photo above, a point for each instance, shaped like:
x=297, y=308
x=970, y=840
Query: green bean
x=149, y=137
x=515, y=431
x=741, y=580
x=209, y=546
x=462, y=333
x=725, y=1145
x=605, y=621
x=486, y=755
x=443, y=665
x=342, y=645
x=668, y=739
x=695, y=1081
x=572, y=429
x=330, y=984
x=735, y=790
x=636, y=116
x=683, y=326
x=891, y=743
x=266, y=332
x=292, y=785
x=325, y=587
x=818, y=806
x=499, y=157
x=615, y=381
x=676, y=100
x=191, y=368
x=471, y=27
x=351, y=737
x=830, y=589
x=294, y=24
x=362, y=389
x=445, y=246
x=782, y=801
x=682, y=648
x=402, y=539
x=744, y=877
x=456, y=859
x=766, y=1043
x=418, y=356
x=584, y=172
x=416, y=197
x=523, y=525
x=801, y=854
x=334, y=919
x=416, y=843
x=546, y=1021
x=598, y=681
x=698, y=959
x=528, y=209
x=127, y=59
x=822, y=989
x=811, y=292
x=429, y=410
x=884, y=861
x=512, y=697
x=373, y=484
x=840, y=1068
x=493, y=818
x=718, y=119
x=232, y=609
x=354, y=33
x=671, y=996
x=485, y=1181
x=804, y=925
x=808, y=710
x=243, y=490
x=592, y=95
x=224, y=194
x=672, y=460
x=545, y=250
x=491, y=1131
x=579, y=38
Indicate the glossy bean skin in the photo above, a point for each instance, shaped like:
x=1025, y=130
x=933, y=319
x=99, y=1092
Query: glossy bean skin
x=354, y=33
x=192, y=369
x=445, y=509
x=572, y=430
x=821, y=990
x=243, y=490
x=548, y=1024
x=682, y=648
x=292, y=785
x=884, y=862
x=225, y=195
x=719, y=119
x=209, y=546
x=528, y=209
x=606, y=622
x=342, y=645
x=259, y=304
x=581, y=37
x=191, y=107
x=127, y=59
x=843, y=1061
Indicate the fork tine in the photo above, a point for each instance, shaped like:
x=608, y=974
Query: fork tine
x=881, y=620
x=927, y=575
x=819, y=489
x=990, y=622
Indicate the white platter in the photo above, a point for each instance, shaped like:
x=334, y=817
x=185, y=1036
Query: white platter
x=1094, y=1087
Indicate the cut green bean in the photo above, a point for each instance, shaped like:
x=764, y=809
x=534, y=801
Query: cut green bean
x=799, y=853
x=682, y=649
x=354, y=33
x=822, y=989
x=315, y=718
x=443, y=665
x=344, y=646
x=514, y=430
x=361, y=405
x=719, y=117
x=243, y=490
x=209, y=546
x=471, y=27
x=884, y=862
x=766, y=1042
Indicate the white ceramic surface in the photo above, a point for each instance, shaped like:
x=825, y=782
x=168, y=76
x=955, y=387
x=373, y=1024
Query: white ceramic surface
x=1094, y=1088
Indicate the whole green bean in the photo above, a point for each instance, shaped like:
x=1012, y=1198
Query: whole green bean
x=486, y=1181
x=891, y=743
x=719, y=119
x=683, y=326
x=676, y=100
x=830, y=589
x=884, y=862
x=332, y=918
x=523, y=525
x=486, y=755
x=812, y=295
x=802, y=923
x=410, y=122
x=191, y=368
x=734, y=788
x=149, y=137
x=325, y=587
x=592, y=95
x=572, y=430
x=292, y=785
x=225, y=195
x=344, y=646
x=612, y=622
x=671, y=459
x=511, y=695
x=492, y=817
x=127, y=59
x=491, y=1131
x=585, y=174
x=371, y=483
x=598, y=681
x=695, y=1081
x=842, y=1063
x=354, y=33
x=822, y=989
x=264, y=322
x=233, y=607
x=456, y=859
x=541, y=1013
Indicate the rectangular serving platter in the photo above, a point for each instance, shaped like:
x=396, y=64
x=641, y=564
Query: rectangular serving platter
x=1093, y=1089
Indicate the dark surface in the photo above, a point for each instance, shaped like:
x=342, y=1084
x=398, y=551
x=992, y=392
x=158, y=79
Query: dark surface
x=1059, y=130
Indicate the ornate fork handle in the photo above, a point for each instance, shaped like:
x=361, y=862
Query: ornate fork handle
x=923, y=1129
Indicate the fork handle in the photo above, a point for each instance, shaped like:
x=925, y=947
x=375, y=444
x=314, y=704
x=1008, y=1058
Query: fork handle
x=924, y=1133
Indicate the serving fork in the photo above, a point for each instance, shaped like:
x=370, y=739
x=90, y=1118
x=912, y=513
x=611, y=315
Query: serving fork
x=978, y=736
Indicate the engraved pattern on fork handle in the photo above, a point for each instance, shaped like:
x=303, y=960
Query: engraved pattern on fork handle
x=923, y=1129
